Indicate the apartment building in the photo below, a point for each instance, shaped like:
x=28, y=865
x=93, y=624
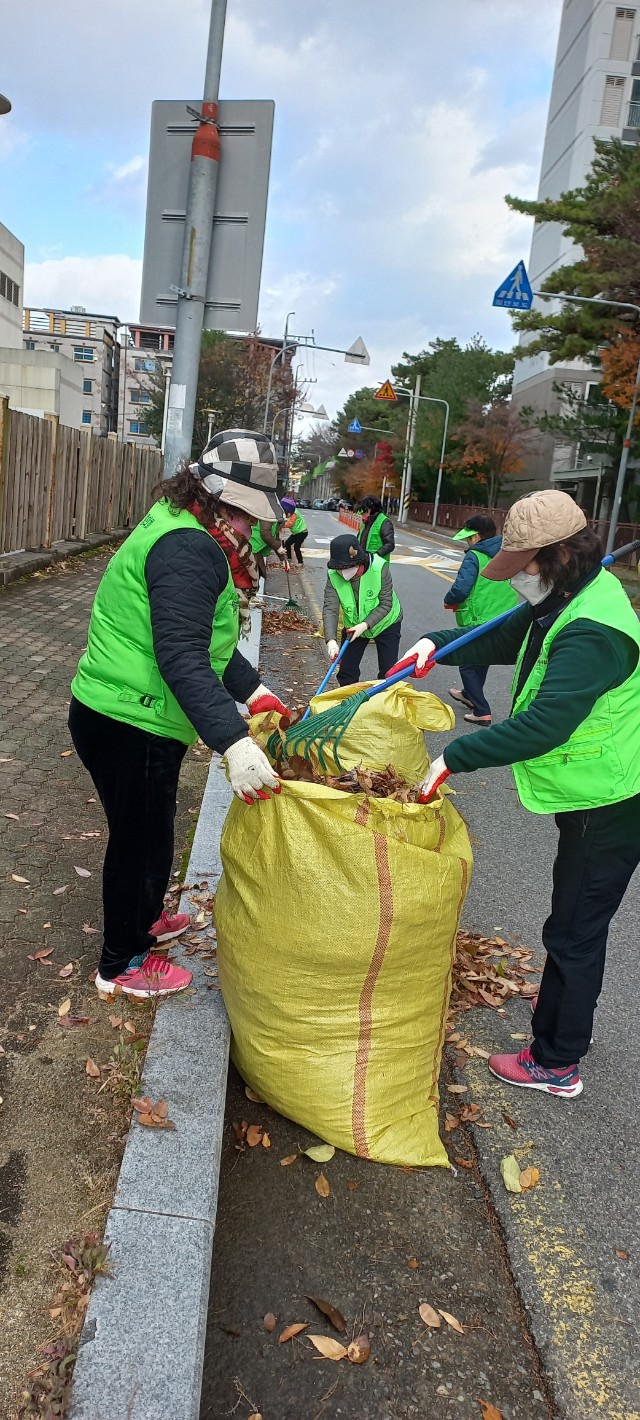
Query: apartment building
x=595, y=94
x=90, y=341
x=11, y=286
x=146, y=356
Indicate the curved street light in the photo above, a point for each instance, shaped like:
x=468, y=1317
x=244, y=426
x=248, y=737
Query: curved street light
x=5, y=104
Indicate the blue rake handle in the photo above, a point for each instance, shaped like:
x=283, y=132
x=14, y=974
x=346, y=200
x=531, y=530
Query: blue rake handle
x=323, y=685
x=476, y=631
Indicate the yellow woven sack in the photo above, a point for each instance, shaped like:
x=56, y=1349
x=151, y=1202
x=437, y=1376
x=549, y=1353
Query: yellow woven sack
x=388, y=729
x=337, y=918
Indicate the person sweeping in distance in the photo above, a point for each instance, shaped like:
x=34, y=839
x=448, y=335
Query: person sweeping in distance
x=573, y=740
x=265, y=538
x=359, y=584
x=160, y=669
x=296, y=530
x=377, y=533
x=474, y=600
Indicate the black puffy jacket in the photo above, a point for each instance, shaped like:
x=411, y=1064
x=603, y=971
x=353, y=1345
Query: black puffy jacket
x=185, y=574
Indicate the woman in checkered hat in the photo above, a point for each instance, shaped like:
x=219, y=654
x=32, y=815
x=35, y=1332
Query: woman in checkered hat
x=161, y=669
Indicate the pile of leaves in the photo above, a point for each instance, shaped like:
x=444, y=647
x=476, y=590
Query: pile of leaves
x=489, y=972
x=275, y=623
x=377, y=784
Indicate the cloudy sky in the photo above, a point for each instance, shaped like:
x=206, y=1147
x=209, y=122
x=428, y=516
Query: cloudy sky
x=399, y=128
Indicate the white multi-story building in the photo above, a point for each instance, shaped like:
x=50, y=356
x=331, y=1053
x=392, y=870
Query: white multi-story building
x=146, y=356
x=11, y=284
x=595, y=94
x=90, y=341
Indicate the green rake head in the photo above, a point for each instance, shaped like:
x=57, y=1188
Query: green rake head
x=315, y=733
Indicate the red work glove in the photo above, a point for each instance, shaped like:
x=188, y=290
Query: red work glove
x=264, y=700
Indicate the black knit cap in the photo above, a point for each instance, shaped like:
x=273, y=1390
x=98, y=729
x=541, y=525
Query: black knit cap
x=346, y=551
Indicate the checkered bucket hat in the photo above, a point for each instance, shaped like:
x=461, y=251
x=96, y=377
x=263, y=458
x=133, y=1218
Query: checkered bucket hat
x=240, y=468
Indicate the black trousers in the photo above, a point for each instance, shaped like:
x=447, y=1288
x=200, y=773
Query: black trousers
x=473, y=679
x=296, y=541
x=387, y=645
x=136, y=776
x=598, y=851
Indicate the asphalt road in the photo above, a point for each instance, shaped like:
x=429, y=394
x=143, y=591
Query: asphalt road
x=576, y=1256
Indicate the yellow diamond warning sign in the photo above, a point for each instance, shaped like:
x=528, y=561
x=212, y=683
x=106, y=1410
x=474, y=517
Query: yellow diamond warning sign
x=386, y=391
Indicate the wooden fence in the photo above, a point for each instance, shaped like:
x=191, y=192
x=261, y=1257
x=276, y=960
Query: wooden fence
x=58, y=484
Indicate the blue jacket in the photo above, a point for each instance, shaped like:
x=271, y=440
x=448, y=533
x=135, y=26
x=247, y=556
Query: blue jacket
x=469, y=570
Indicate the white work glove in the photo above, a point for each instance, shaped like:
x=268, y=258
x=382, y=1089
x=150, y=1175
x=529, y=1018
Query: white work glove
x=438, y=772
x=355, y=631
x=423, y=649
x=283, y=558
x=250, y=771
x=333, y=650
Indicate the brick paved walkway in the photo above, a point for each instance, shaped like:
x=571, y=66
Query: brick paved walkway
x=61, y=1141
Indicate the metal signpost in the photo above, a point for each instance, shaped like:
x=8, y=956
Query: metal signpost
x=517, y=295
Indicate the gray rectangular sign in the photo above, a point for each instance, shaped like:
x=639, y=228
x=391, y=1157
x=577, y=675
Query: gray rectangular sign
x=233, y=288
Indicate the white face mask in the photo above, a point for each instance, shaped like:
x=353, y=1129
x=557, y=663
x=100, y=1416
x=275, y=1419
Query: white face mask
x=530, y=586
x=349, y=573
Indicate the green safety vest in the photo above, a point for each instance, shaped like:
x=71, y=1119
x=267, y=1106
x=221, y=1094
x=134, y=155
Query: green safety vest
x=118, y=675
x=298, y=527
x=600, y=762
x=486, y=599
x=374, y=540
x=258, y=544
x=368, y=598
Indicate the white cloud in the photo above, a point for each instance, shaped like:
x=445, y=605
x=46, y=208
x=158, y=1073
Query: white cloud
x=133, y=168
x=106, y=285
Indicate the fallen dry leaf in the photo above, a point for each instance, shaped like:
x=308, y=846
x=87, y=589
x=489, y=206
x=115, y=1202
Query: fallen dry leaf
x=508, y=1120
x=290, y=1159
x=251, y=1095
x=293, y=1330
x=429, y=1315
x=58, y=891
x=510, y=1170
x=254, y=1135
x=152, y=1121
x=161, y=1109
x=77, y=1021
x=620, y=1252
x=89, y=931
x=452, y=1321
x=320, y=1153
x=335, y=1317
x=142, y=1105
x=82, y=872
x=529, y=1178
x=17, y=879
x=265, y=1141
x=464, y=1163
x=66, y=970
x=489, y=1411
x=66, y=752
x=330, y=1349
x=412, y=1262
x=42, y=955
x=46, y=924
x=451, y=1122
x=115, y=1021
x=269, y=1322
x=360, y=1350
x=64, y=1007
x=92, y=1069
x=15, y=816
x=352, y=1185
x=322, y=1186
x=457, y=1089
x=129, y=1026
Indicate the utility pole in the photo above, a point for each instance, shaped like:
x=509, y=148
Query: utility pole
x=196, y=250
x=405, y=490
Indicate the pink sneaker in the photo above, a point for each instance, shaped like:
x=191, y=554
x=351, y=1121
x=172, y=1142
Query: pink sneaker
x=167, y=927
x=157, y=976
x=523, y=1070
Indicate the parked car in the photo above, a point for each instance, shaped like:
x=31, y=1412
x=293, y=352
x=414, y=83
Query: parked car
x=319, y=504
x=304, y=503
x=332, y=505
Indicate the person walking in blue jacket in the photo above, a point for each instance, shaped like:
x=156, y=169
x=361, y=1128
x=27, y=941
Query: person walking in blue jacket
x=476, y=600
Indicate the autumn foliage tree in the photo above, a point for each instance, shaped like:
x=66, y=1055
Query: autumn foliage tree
x=493, y=443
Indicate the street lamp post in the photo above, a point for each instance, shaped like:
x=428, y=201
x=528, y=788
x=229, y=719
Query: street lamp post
x=405, y=491
x=624, y=457
x=357, y=354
